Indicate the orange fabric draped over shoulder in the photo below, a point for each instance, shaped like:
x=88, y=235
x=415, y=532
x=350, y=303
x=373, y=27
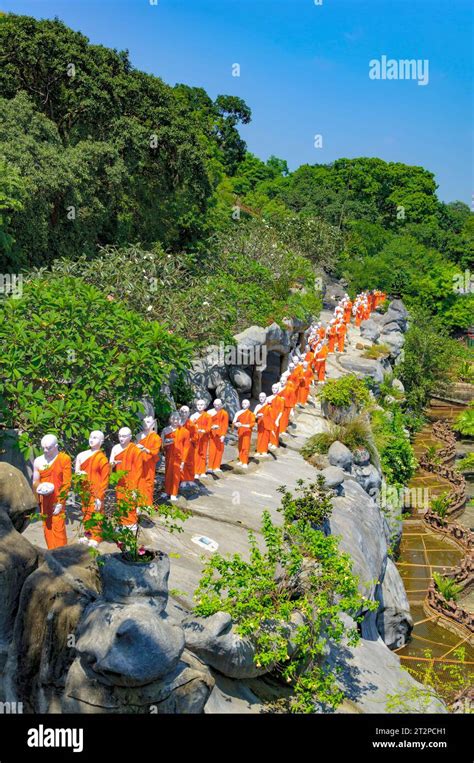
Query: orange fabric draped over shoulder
x=59, y=473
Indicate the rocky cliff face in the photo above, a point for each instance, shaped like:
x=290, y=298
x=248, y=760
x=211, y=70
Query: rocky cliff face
x=111, y=639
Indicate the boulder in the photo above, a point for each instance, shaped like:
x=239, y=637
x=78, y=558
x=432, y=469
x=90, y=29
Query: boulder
x=216, y=642
x=18, y=559
x=368, y=478
x=277, y=339
x=232, y=696
x=370, y=330
x=333, y=477
x=338, y=414
x=340, y=455
x=241, y=380
x=394, y=621
x=128, y=645
x=252, y=337
x=357, y=521
x=184, y=690
x=363, y=366
x=361, y=456
x=125, y=582
x=16, y=496
x=229, y=396
x=397, y=306
x=395, y=340
x=389, y=327
x=51, y=604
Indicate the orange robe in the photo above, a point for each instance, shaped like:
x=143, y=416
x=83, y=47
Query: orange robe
x=309, y=358
x=359, y=315
x=308, y=376
x=331, y=338
x=321, y=332
x=289, y=396
x=203, y=421
x=97, y=468
x=216, y=447
x=277, y=406
x=341, y=336
x=176, y=446
x=321, y=363
x=59, y=473
x=265, y=425
x=129, y=460
x=149, y=461
x=189, y=469
x=245, y=434
x=347, y=312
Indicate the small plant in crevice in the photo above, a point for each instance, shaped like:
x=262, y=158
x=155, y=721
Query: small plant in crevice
x=447, y=587
x=439, y=504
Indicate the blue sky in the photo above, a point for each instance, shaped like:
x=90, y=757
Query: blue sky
x=304, y=71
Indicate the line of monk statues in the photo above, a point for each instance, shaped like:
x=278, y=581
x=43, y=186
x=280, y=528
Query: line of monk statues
x=192, y=443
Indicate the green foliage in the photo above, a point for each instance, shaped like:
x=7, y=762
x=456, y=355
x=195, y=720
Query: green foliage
x=345, y=391
x=312, y=503
x=376, y=352
x=465, y=422
x=466, y=464
x=110, y=526
x=354, y=433
x=296, y=587
x=430, y=356
x=246, y=277
x=441, y=679
x=73, y=361
x=138, y=160
x=439, y=504
x=396, y=453
x=447, y=587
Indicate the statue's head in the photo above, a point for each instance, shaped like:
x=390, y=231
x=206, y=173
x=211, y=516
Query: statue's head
x=49, y=443
x=149, y=422
x=96, y=438
x=175, y=420
x=201, y=405
x=275, y=388
x=125, y=436
x=217, y=404
x=184, y=413
x=262, y=397
x=245, y=404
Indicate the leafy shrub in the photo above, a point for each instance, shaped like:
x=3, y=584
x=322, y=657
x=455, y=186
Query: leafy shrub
x=73, y=361
x=263, y=593
x=466, y=464
x=396, y=453
x=312, y=504
x=376, y=351
x=344, y=391
x=447, y=587
x=465, y=422
x=354, y=433
x=439, y=504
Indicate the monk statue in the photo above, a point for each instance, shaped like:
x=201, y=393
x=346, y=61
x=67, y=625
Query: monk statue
x=189, y=465
x=126, y=456
x=176, y=441
x=265, y=423
x=51, y=482
x=202, y=422
x=94, y=465
x=277, y=403
x=149, y=443
x=219, y=427
x=244, y=422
